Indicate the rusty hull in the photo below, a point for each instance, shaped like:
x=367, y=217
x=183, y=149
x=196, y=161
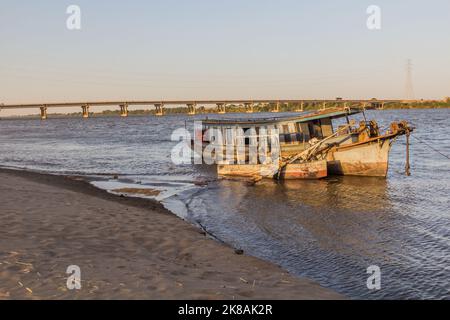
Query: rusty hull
x=370, y=159
x=310, y=170
x=247, y=170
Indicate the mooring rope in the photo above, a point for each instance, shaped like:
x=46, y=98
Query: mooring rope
x=431, y=147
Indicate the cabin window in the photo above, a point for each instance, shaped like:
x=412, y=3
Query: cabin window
x=304, y=129
x=292, y=128
x=247, y=138
x=315, y=129
x=280, y=129
x=284, y=133
x=207, y=134
x=213, y=134
x=298, y=132
x=288, y=133
x=294, y=137
x=327, y=127
x=287, y=138
x=229, y=136
x=293, y=133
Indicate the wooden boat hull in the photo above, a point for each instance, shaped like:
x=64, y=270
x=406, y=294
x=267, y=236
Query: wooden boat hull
x=295, y=171
x=246, y=170
x=370, y=159
x=310, y=171
x=353, y=154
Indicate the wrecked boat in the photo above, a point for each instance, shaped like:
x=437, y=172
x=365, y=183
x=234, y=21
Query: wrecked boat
x=306, y=146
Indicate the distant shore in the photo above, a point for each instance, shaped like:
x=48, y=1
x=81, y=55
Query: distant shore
x=127, y=248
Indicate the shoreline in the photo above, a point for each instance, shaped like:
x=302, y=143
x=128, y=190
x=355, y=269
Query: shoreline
x=127, y=248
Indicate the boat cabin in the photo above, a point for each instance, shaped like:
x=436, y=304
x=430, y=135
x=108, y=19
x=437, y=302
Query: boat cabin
x=294, y=132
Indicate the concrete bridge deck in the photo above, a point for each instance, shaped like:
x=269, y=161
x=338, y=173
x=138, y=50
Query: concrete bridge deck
x=192, y=104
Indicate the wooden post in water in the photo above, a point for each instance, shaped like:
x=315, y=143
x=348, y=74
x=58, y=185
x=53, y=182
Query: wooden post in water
x=407, y=166
x=43, y=113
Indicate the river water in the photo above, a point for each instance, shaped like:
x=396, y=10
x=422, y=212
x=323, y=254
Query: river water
x=330, y=230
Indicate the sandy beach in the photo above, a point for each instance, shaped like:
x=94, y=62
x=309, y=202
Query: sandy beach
x=126, y=248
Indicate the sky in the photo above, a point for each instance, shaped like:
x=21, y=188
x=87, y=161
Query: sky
x=233, y=49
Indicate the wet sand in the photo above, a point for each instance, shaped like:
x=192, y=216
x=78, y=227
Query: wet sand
x=126, y=248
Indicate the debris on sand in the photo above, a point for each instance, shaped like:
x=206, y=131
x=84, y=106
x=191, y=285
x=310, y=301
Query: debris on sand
x=143, y=192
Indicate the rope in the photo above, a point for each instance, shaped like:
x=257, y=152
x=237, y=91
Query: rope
x=431, y=147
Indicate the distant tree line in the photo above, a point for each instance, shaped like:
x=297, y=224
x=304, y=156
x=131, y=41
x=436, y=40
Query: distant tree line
x=420, y=105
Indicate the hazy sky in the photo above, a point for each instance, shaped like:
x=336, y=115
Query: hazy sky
x=204, y=49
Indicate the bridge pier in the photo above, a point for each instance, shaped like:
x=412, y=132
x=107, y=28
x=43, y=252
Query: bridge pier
x=377, y=105
x=277, y=107
x=221, y=108
x=159, y=109
x=248, y=107
x=302, y=107
x=124, y=110
x=43, y=113
x=85, y=111
x=191, y=109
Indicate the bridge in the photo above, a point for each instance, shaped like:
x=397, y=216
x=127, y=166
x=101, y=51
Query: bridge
x=191, y=105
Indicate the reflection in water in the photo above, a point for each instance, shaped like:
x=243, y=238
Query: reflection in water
x=313, y=220
x=329, y=230
x=332, y=212
x=343, y=193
